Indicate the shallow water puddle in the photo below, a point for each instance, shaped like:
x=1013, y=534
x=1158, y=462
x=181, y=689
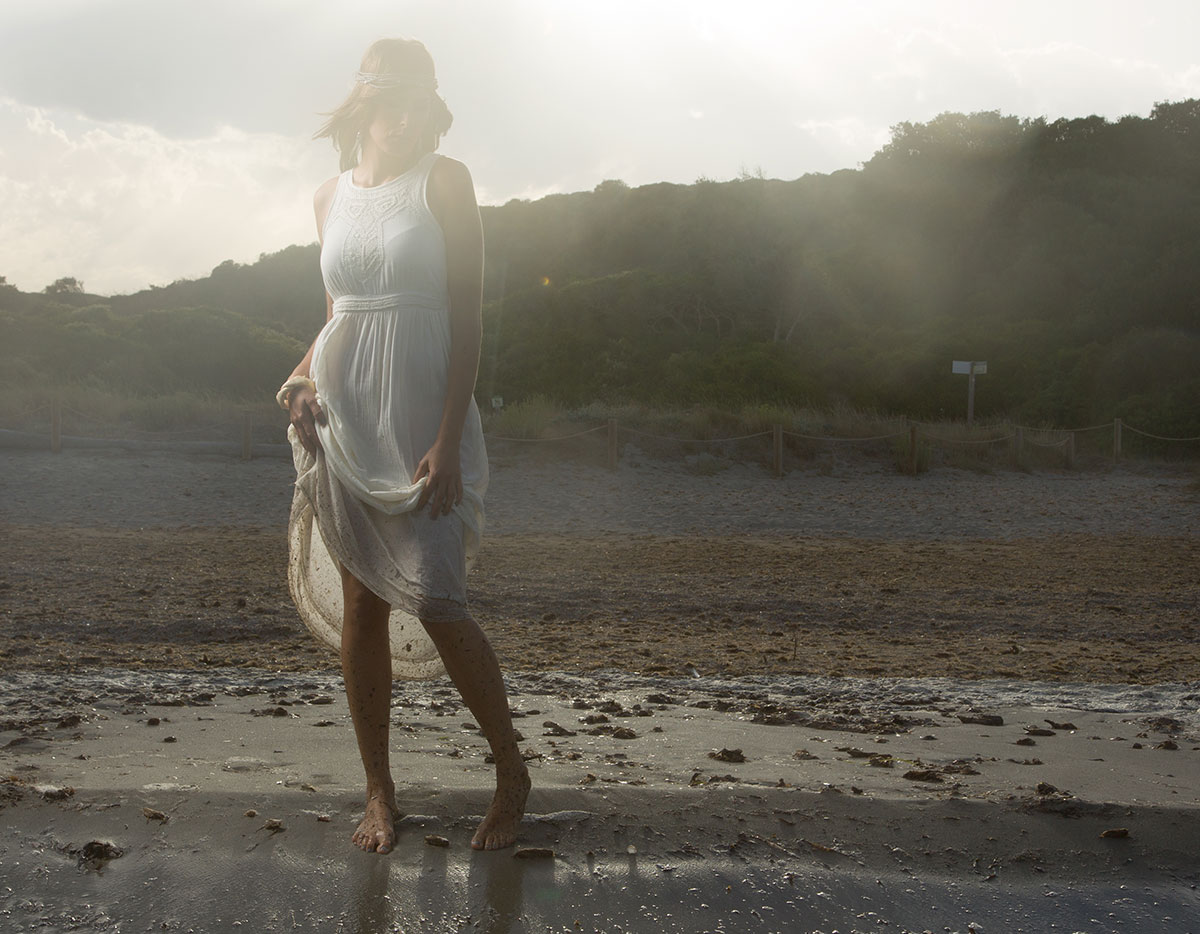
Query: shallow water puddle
x=424, y=889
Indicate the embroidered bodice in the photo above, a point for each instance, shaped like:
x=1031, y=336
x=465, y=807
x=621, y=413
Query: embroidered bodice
x=382, y=246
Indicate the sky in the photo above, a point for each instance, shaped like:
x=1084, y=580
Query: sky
x=144, y=141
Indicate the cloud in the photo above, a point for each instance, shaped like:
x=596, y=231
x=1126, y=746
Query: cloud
x=184, y=69
x=142, y=141
x=844, y=141
x=121, y=206
x=1065, y=79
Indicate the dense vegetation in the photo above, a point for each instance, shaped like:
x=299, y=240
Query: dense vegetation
x=1065, y=253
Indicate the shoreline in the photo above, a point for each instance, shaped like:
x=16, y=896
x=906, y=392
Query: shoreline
x=656, y=628
x=875, y=793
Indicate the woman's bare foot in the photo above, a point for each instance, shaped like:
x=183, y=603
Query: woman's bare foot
x=499, y=827
x=377, y=832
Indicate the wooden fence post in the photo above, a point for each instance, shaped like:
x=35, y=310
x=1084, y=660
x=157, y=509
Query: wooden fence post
x=612, y=444
x=247, y=437
x=777, y=449
x=1116, y=439
x=912, y=449
x=56, y=425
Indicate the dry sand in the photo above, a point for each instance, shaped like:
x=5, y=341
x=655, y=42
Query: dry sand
x=701, y=613
x=130, y=560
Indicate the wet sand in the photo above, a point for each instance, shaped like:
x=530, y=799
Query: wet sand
x=184, y=801
x=823, y=625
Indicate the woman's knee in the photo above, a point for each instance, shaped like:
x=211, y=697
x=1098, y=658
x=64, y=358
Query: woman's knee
x=455, y=635
x=363, y=606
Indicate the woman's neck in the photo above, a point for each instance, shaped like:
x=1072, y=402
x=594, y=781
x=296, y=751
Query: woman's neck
x=375, y=168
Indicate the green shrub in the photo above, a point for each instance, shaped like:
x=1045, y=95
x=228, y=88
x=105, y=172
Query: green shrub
x=530, y=418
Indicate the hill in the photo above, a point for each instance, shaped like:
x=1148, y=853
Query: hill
x=1065, y=253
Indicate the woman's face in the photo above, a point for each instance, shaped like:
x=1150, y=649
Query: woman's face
x=398, y=125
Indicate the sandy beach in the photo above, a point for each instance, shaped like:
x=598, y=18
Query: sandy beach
x=846, y=700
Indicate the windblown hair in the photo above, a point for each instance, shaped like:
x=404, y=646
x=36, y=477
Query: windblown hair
x=350, y=120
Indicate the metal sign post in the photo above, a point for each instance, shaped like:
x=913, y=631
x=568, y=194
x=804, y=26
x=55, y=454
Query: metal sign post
x=971, y=369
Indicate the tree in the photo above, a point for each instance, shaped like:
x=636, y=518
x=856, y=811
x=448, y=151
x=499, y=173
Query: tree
x=67, y=285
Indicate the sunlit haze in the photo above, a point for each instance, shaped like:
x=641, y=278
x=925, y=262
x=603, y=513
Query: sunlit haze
x=143, y=142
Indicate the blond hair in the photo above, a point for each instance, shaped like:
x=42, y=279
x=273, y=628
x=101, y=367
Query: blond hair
x=350, y=119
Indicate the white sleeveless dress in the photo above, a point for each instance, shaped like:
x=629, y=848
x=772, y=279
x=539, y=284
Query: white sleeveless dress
x=380, y=365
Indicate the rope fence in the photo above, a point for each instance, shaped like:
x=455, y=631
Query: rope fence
x=577, y=434
x=936, y=440
x=911, y=445
x=646, y=434
x=20, y=416
x=162, y=434
x=830, y=438
x=1159, y=437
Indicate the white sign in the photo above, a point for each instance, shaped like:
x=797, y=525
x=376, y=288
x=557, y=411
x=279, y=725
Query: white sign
x=969, y=367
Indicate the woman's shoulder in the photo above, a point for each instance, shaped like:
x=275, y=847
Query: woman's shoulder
x=324, y=194
x=322, y=201
x=450, y=181
x=449, y=170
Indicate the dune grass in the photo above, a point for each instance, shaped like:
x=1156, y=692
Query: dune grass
x=92, y=411
x=824, y=438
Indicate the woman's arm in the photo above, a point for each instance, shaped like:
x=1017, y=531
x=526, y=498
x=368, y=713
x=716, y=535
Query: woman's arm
x=451, y=196
x=303, y=408
x=304, y=367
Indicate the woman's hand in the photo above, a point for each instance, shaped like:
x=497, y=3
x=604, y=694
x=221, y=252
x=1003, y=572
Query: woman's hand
x=443, y=486
x=306, y=414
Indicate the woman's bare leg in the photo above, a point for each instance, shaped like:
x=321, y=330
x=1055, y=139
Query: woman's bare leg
x=367, y=670
x=472, y=665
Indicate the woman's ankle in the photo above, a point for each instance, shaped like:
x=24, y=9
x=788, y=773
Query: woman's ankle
x=384, y=791
x=510, y=763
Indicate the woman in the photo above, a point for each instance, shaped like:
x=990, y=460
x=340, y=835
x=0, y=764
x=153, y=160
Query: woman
x=390, y=462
